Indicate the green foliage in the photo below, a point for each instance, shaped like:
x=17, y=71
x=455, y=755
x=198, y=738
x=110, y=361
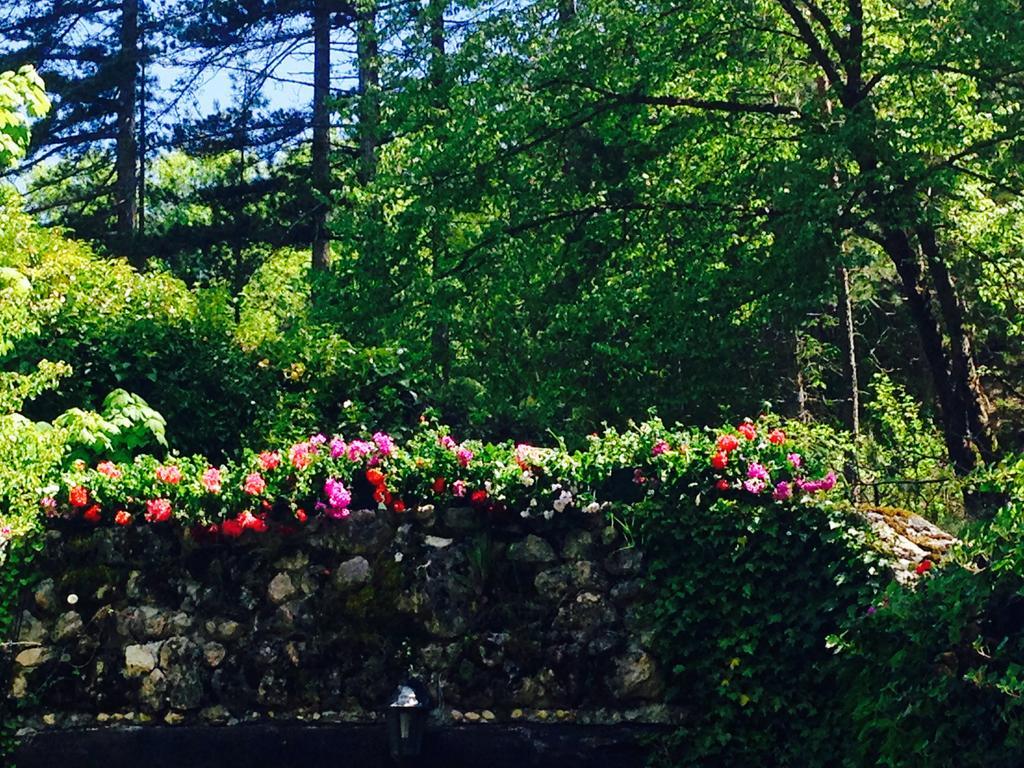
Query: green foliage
x=22, y=97
x=126, y=426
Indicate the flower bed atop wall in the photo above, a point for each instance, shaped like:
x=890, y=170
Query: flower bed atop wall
x=282, y=487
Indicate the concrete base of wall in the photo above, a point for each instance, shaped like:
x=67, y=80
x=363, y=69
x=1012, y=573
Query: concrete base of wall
x=281, y=745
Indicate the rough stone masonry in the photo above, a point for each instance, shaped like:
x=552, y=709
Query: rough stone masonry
x=537, y=621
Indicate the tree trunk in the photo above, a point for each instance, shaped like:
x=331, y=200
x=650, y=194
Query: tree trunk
x=956, y=431
x=126, y=161
x=369, y=84
x=321, y=156
x=851, y=411
x=143, y=140
x=963, y=370
x=566, y=10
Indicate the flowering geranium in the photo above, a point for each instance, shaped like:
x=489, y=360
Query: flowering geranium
x=254, y=484
x=269, y=460
x=748, y=430
x=459, y=488
x=78, y=496
x=464, y=455
x=660, y=447
x=109, y=470
x=212, y=480
x=720, y=460
x=783, y=491
x=169, y=474
x=384, y=443
x=301, y=455
x=727, y=443
x=338, y=497
x=776, y=437
x=158, y=510
x=122, y=517
x=92, y=514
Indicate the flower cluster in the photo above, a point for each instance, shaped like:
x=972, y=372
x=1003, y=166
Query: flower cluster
x=758, y=462
x=281, y=488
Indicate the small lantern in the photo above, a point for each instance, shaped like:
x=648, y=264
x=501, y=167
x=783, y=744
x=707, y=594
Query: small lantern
x=407, y=720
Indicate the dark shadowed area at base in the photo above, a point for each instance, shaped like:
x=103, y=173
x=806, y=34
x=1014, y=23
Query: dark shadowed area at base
x=285, y=745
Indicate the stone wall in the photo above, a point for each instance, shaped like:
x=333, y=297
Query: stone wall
x=532, y=621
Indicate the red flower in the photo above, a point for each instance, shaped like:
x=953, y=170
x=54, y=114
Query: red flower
x=231, y=528
x=923, y=567
x=301, y=516
x=727, y=443
x=382, y=495
x=122, y=518
x=92, y=514
x=747, y=430
x=478, y=497
x=720, y=460
x=438, y=486
x=776, y=437
x=251, y=522
x=269, y=460
x=158, y=511
x=78, y=496
x=398, y=506
x=167, y=474
x=375, y=476
x=722, y=485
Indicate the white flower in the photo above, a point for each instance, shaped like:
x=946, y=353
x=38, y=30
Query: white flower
x=72, y=598
x=564, y=499
x=592, y=508
x=525, y=513
x=398, y=557
x=533, y=502
x=527, y=479
x=548, y=514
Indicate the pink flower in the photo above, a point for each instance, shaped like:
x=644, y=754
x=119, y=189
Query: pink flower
x=782, y=491
x=459, y=488
x=212, y=480
x=757, y=472
x=747, y=430
x=385, y=444
x=464, y=455
x=338, y=448
x=447, y=442
x=158, y=511
x=6, y=532
x=48, y=505
x=168, y=474
x=338, y=496
x=357, y=449
x=254, y=484
x=659, y=448
x=109, y=469
x=301, y=455
x=269, y=460
x=754, y=485
x=317, y=440
x=795, y=460
x=828, y=482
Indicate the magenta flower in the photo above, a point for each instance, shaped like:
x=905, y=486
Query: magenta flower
x=385, y=444
x=447, y=442
x=659, y=448
x=317, y=440
x=338, y=448
x=459, y=488
x=795, y=460
x=782, y=491
x=337, y=494
x=757, y=472
x=464, y=455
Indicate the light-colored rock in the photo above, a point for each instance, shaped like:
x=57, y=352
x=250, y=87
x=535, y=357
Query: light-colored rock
x=140, y=659
x=352, y=573
x=437, y=542
x=280, y=588
x=532, y=549
x=68, y=626
x=33, y=657
x=214, y=653
x=636, y=676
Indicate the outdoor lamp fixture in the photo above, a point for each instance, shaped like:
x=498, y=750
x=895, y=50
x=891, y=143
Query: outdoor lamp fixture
x=407, y=720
